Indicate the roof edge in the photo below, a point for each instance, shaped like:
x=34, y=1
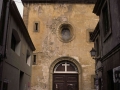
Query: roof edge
x=98, y=6
x=14, y=11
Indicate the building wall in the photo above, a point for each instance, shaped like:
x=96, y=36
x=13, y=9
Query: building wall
x=18, y=59
x=113, y=39
x=48, y=45
x=108, y=65
x=14, y=63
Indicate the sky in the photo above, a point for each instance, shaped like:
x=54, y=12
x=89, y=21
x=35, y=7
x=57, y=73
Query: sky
x=20, y=6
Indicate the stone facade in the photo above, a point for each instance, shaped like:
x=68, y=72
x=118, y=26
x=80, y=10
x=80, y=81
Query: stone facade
x=50, y=48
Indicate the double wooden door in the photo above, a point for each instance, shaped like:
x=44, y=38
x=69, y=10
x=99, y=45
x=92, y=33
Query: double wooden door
x=65, y=82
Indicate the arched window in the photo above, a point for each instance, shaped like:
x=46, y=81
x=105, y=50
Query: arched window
x=65, y=33
x=65, y=67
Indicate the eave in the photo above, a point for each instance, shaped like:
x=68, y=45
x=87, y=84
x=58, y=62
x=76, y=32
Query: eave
x=95, y=33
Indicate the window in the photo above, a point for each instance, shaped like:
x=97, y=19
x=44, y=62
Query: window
x=15, y=42
x=105, y=20
x=28, y=58
x=34, y=59
x=89, y=33
x=36, y=26
x=66, y=33
x=65, y=67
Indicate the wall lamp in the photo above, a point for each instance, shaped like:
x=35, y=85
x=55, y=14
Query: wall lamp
x=93, y=53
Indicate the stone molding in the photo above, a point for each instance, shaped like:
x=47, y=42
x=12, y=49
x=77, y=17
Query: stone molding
x=62, y=59
x=72, y=32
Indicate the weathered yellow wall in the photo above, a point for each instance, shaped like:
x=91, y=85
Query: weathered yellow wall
x=48, y=45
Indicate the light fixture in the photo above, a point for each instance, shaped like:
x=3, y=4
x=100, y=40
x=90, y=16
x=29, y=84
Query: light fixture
x=93, y=52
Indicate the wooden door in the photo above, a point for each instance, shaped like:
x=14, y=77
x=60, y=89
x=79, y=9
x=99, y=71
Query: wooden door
x=65, y=82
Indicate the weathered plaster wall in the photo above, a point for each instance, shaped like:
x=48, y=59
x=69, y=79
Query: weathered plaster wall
x=47, y=42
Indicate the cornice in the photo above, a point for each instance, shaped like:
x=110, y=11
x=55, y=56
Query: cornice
x=98, y=6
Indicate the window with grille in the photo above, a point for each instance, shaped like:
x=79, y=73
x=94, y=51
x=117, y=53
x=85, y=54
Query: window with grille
x=65, y=67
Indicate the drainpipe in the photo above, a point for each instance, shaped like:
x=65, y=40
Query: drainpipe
x=5, y=29
x=1, y=3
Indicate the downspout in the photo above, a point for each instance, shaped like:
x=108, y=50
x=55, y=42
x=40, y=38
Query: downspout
x=6, y=29
x=1, y=2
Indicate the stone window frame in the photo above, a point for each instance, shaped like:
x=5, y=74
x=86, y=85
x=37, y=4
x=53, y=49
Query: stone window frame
x=34, y=59
x=88, y=31
x=72, y=31
x=34, y=26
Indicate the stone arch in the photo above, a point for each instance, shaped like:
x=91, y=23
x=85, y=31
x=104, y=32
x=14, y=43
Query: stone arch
x=62, y=59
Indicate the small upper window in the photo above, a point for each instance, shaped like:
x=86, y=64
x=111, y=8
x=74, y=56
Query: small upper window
x=36, y=26
x=34, y=59
x=90, y=34
x=15, y=42
x=66, y=33
x=65, y=67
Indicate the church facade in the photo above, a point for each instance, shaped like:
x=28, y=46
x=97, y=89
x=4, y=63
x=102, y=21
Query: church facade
x=60, y=32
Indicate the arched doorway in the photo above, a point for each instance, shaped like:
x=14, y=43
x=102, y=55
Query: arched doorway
x=65, y=74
